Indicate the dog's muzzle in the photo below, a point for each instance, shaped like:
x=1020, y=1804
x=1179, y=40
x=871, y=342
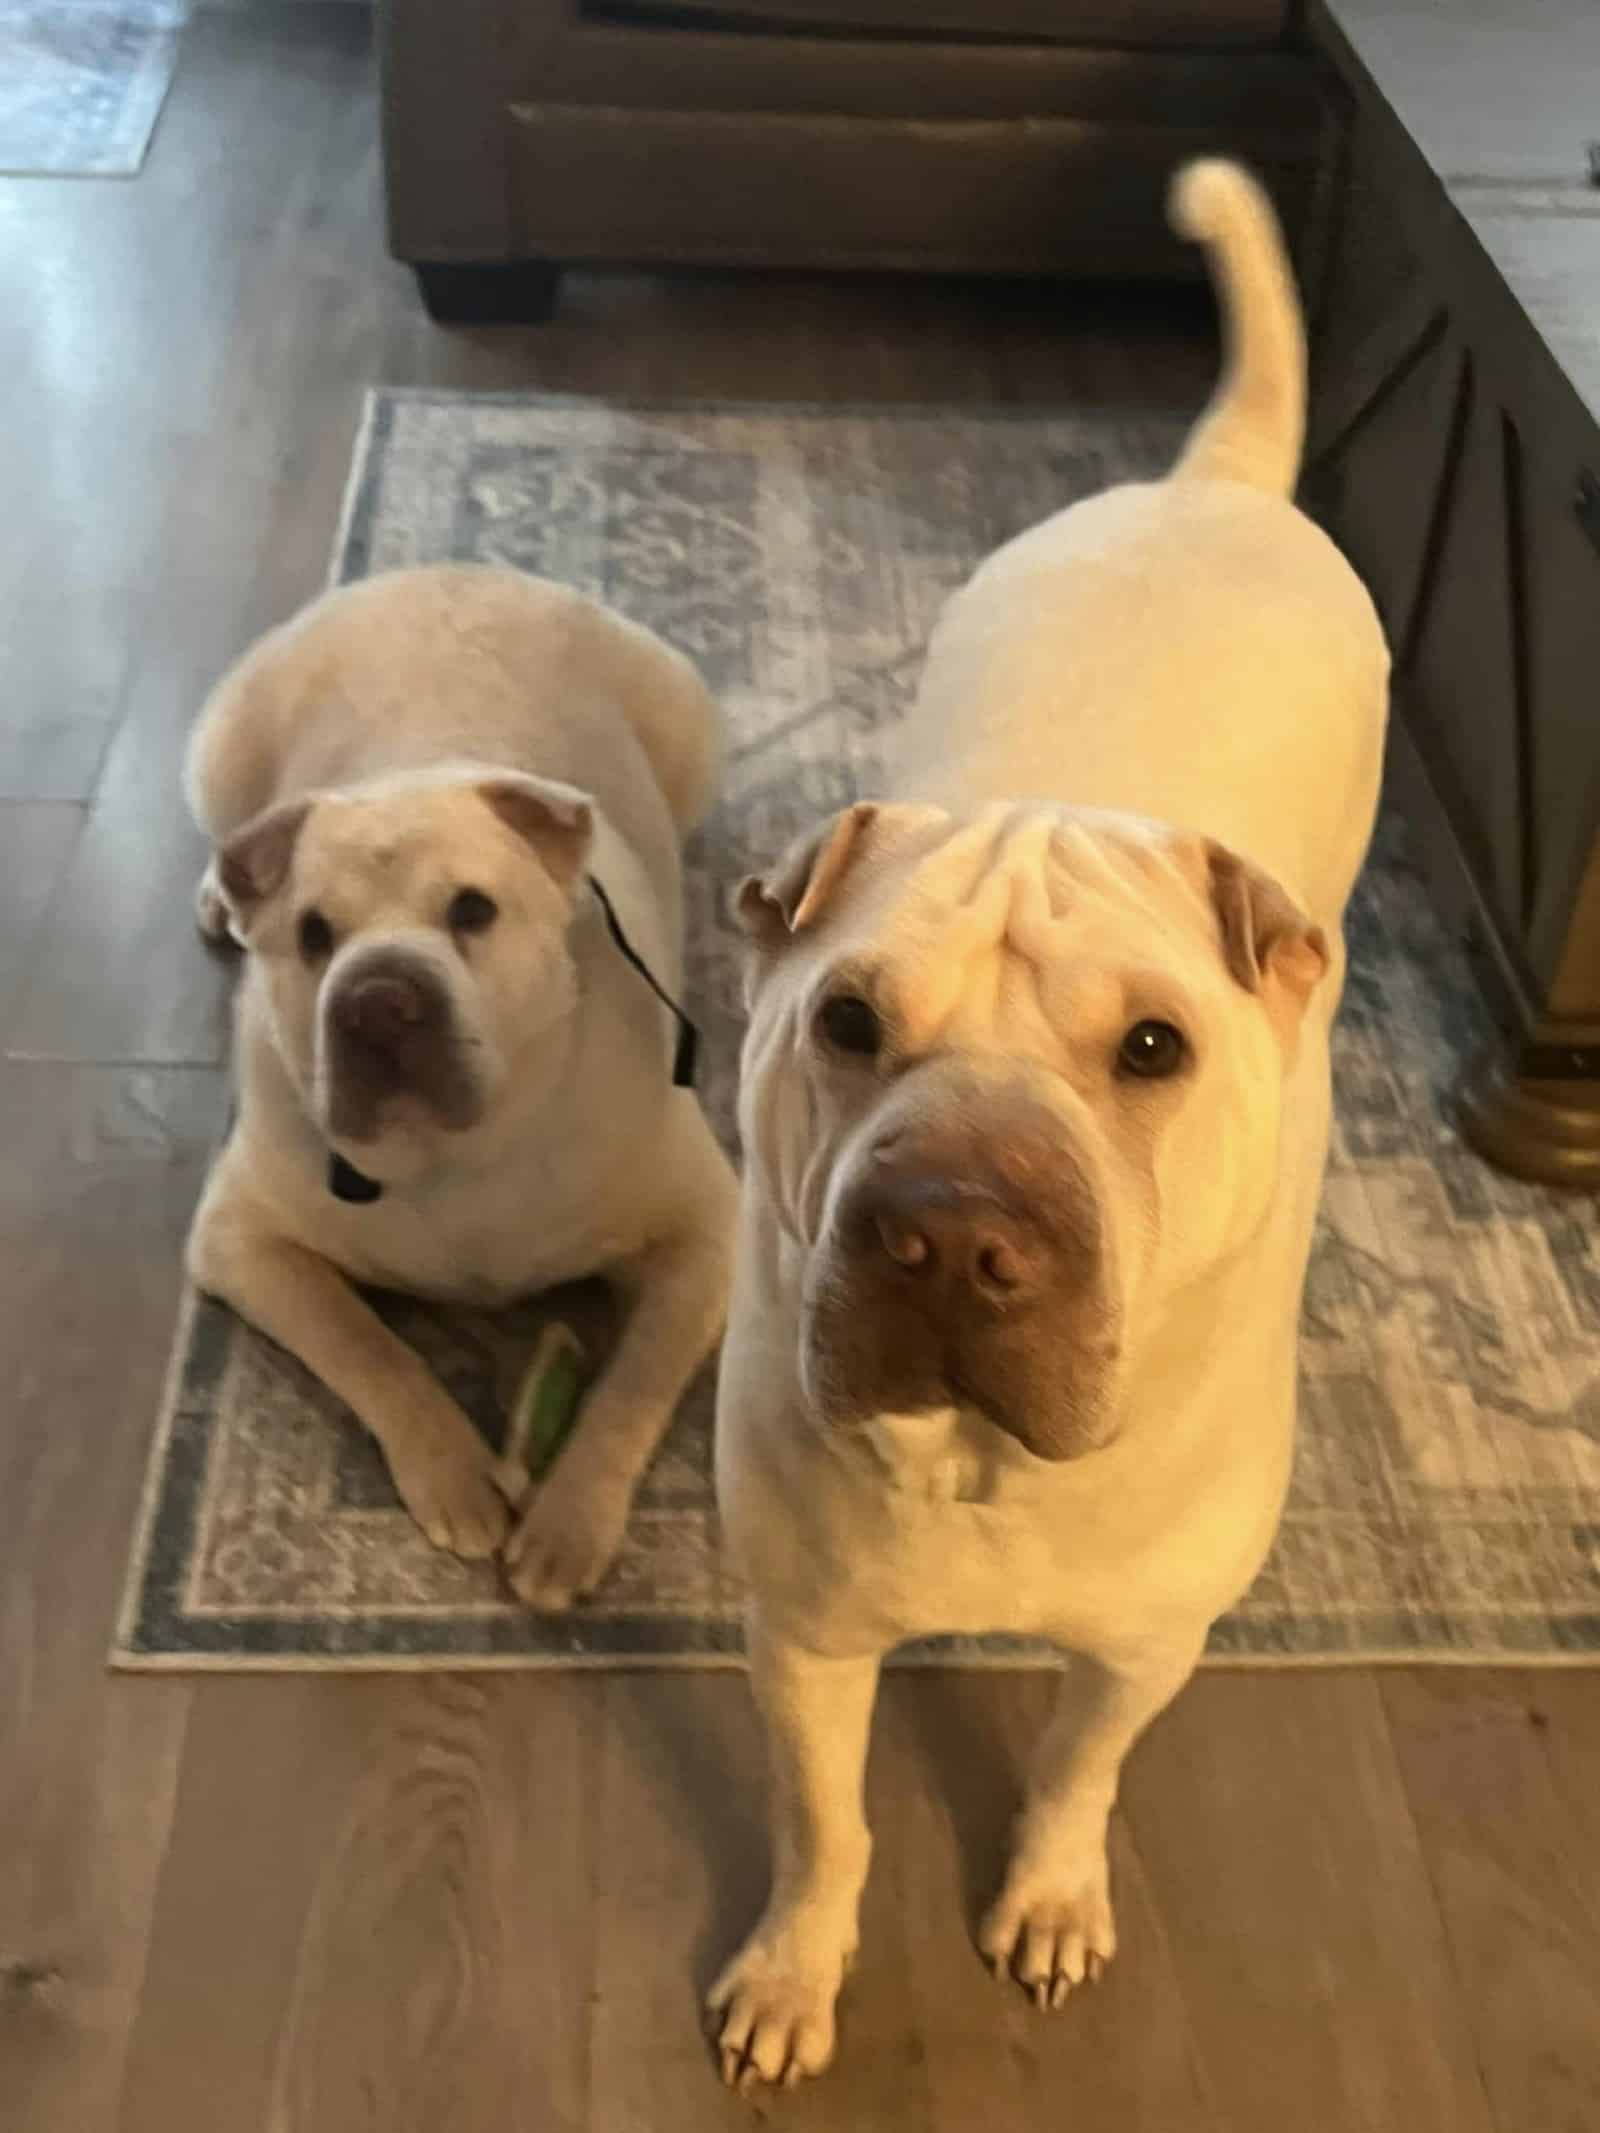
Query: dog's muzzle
x=966, y=1264
x=390, y=1032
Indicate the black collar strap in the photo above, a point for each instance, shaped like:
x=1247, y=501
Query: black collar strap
x=347, y=1183
x=688, y=1052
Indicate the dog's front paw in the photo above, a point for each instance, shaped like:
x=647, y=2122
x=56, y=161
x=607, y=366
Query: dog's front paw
x=771, y=2011
x=1052, y=1926
x=453, y=1486
x=566, y=1541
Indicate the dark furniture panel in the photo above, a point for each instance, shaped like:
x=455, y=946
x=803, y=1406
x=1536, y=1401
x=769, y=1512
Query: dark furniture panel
x=1112, y=22
x=1455, y=454
x=1561, y=595
x=1239, y=96
x=592, y=183
x=849, y=133
x=1461, y=651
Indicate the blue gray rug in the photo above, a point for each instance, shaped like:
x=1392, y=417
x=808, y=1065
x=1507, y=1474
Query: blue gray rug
x=82, y=83
x=1446, y=1500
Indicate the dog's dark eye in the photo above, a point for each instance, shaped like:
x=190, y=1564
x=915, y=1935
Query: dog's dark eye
x=316, y=936
x=471, y=911
x=1151, y=1051
x=850, y=1025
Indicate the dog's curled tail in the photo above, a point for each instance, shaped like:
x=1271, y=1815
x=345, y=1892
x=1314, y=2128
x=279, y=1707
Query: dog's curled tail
x=1254, y=427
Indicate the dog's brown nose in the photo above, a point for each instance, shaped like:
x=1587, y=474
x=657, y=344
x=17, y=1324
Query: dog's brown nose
x=954, y=1236
x=381, y=1009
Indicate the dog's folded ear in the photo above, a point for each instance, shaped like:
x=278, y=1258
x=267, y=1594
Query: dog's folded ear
x=255, y=861
x=771, y=906
x=1268, y=943
x=556, y=820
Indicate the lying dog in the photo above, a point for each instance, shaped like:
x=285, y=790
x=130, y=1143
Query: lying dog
x=429, y=794
x=1035, y=1106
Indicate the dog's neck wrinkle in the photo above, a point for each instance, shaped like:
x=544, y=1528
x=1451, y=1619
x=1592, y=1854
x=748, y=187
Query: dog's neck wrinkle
x=1181, y=1352
x=265, y=1080
x=546, y=1060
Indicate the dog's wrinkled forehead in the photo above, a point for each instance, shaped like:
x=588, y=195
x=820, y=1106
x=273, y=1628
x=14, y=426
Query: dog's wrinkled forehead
x=1021, y=898
x=1023, y=893
x=1016, y=874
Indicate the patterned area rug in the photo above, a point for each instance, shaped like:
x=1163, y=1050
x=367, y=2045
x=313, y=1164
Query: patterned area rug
x=1446, y=1500
x=82, y=83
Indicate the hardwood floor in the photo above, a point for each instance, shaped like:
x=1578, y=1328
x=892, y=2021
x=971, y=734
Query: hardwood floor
x=311, y=1905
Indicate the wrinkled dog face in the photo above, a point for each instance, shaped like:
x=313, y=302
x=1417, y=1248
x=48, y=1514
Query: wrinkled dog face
x=412, y=941
x=1010, y=1082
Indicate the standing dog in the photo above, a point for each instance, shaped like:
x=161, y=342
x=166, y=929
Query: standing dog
x=1035, y=1107
x=451, y=1079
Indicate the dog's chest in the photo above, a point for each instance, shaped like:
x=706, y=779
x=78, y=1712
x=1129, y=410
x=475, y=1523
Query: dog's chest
x=526, y=1231
x=918, y=1524
x=928, y=1525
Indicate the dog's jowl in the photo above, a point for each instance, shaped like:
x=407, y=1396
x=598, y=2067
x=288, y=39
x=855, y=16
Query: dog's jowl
x=1035, y=1107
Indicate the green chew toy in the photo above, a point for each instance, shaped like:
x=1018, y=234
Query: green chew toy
x=546, y=1405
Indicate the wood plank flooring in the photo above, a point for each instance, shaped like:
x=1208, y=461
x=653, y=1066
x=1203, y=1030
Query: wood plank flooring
x=319, y=1905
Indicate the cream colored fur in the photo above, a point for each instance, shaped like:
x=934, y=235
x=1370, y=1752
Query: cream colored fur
x=391, y=708
x=1139, y=779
